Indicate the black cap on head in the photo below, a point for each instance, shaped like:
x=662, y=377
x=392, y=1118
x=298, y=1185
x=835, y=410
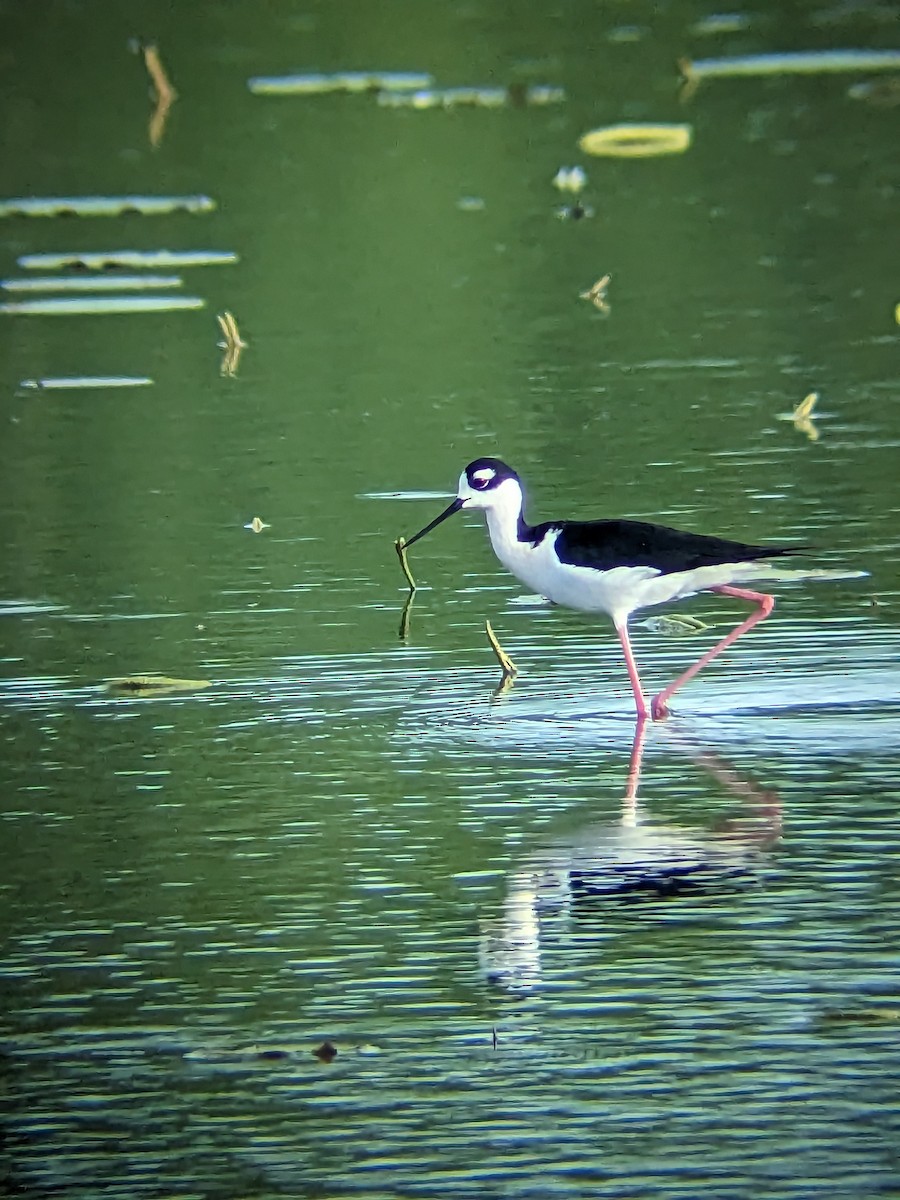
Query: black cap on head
x=485, y=473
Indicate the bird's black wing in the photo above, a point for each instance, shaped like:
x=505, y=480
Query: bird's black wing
x=604, y=545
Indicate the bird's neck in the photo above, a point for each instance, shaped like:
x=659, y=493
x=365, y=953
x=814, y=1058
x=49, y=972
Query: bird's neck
x=508, y=530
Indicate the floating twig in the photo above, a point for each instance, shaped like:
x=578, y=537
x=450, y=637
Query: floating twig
x=597, y=294
x=233, y=344
x=165, y=93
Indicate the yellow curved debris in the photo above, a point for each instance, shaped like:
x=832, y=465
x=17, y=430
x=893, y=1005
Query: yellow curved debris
x=631, y=140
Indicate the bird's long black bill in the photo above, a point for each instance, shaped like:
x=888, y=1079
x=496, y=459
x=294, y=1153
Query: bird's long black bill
x=448, y=512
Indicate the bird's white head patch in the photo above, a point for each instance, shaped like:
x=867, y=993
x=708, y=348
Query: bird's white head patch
x=483, y=476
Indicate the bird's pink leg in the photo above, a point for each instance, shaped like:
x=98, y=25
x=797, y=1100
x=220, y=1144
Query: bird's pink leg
x=660, y=705
x=634, y=766
x=640, y=703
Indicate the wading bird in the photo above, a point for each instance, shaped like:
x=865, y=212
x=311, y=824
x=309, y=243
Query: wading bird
x=617, y=567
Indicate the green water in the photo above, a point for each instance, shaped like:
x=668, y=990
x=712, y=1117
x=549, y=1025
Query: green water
x=534, y=987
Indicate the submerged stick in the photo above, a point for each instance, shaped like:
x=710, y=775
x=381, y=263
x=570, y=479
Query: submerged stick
x=507, y=666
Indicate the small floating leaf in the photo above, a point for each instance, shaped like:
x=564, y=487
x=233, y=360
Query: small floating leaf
x=154, y=684
x=103, y=206
x=326, y=1052
x=99, y=305
x=803, y=417
x=859, y=1016
x=804, y=409
x=92, y=283
x=106, y=260
x=636, y=141
x=679, y=626
x=85, y=382
x=597, y=294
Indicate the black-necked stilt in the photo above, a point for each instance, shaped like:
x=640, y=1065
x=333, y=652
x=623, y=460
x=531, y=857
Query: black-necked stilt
x=615, y=567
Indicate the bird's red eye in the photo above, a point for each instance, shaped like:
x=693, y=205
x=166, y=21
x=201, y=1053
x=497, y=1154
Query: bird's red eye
x=482, y=479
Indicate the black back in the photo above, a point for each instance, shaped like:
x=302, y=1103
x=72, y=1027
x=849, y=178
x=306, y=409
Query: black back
x=604, y=545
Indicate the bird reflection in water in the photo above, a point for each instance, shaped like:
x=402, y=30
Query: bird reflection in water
x=627, y=859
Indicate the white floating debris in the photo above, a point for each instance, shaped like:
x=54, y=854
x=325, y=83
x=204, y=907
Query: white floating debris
x=802, y=62
x=407, y=495
x=339, y=81
x=85, y=382
x=570, y=179
x=720, y=23
x=92, y=283
x=473, y=97
x=97, y=305
x=104, y=260
x=103, y=206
